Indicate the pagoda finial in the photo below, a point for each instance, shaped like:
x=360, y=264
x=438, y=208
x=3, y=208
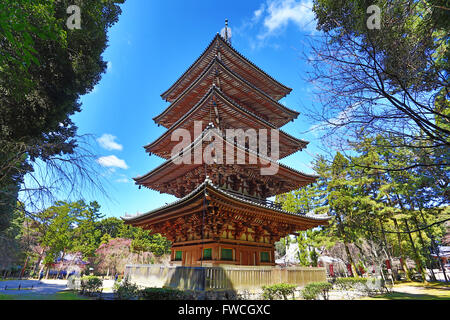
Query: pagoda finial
x=226, y=30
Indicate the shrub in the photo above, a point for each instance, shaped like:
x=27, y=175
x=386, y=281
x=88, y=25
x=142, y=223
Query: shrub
x=125, y=290
x=350, y=283
x=278, y=291
x=313, y=290
x=90, y=285
x=163, y=294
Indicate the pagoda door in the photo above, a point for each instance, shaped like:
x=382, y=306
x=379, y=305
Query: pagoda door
x=244, y=258
x=248, y=258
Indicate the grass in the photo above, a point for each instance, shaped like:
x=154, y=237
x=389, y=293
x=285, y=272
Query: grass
x=424, y=291
x=63, y=295
x=435, y=284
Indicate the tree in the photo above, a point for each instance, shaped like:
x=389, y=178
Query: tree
x=87, y=236
x=44, y=69
x=10, y=242
x=378, y=214
x=112, y=226
x=391, y=80
x=303, y=253
x=56, y=228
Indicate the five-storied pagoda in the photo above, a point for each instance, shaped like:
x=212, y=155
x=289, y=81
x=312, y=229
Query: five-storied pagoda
x=222, y=215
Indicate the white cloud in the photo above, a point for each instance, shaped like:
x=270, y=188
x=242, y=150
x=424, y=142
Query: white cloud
x=258, y=13
x=281, y=12
x=109, y=66
x=107, y=142
x=112, y=162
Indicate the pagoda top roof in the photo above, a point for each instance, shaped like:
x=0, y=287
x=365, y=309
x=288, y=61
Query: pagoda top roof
x=275, y=112
x=208, y=186
x=236, y=112
x=260, y=78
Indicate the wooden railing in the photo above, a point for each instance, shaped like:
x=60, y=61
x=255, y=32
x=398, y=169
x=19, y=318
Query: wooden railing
x=221, y=278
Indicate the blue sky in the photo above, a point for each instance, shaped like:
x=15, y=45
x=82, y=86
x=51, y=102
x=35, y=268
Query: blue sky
x=153, y=43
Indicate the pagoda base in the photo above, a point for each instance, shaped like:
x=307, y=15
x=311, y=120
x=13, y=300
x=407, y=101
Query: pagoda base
x=211, y=253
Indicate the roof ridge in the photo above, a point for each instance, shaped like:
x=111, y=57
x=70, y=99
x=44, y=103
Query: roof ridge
x=240, y=55
x=256, y=88
x=190, y=67
x=206, y=71
x=254, y=65
x=222, y=95
x=208, y=182
x=204, y=133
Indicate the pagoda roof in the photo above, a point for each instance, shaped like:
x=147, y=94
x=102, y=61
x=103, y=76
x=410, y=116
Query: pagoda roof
x=195, y=201
x=286, y=178
x=235, y=61
x=236, y=87
x=231, y=115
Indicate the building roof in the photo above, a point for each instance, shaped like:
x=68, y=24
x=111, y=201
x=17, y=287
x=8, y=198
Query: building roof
x=171, y=169
x=229, y=112
x=203, y=189
x=235, y=60
x=236, y=87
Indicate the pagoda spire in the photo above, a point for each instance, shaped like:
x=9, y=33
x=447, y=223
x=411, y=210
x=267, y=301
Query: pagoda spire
x=226, y=33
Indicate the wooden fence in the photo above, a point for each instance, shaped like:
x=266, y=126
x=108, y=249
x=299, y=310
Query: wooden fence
x=221, y=278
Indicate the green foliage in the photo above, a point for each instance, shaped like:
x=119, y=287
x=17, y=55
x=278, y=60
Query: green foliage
x=68, y=227
x=77, y=227
x=144, y=241
x=314, y=290
x=12, y=246
x=314, y=257
x=86, y=236
x=125, y=290
x=163, y=294
x=44, y=70
x=402, y=67
x=112, y=226
x=302, y=242
x=350, y=283
x=279, y=291
x=91, y=285
x=369, y=286
x=369, y=204
x=280, y=247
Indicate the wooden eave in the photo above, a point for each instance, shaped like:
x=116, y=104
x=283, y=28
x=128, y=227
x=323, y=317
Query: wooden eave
x=230, y=115
x=234, y=60
x=195, y=202
x=170, y=171
x=236, y=88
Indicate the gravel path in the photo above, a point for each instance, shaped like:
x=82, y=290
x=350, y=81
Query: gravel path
x=38, y=287
x=42, y=287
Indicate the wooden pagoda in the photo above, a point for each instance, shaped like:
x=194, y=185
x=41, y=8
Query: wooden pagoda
x=222, y=215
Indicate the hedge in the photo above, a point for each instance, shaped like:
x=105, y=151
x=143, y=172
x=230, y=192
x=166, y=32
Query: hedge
x=163, y=294
x=313, y=290
x=278, y=291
